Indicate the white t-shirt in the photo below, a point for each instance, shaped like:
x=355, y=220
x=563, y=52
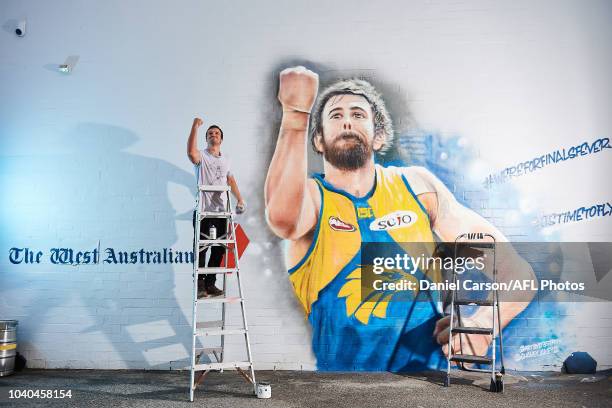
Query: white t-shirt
x=213, y=170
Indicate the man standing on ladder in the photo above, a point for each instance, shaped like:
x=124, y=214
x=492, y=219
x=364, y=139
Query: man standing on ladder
x=212, y=168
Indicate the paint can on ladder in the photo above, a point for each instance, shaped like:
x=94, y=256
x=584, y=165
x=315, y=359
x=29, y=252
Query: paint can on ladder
x=264, y=390
x=212, y=234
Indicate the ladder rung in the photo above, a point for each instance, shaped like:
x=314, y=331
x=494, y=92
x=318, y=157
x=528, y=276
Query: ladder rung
x=467, y=358
x=203, y=187
x=209, y=350
x=213, y=271
x=485, y=302
x=483, y=370
x=208, y=214
x=219, y=332
x=231, y=299
x=220, y=366
x=471, y=244
x=473, y=330
x=212, y=323
x=215, y=241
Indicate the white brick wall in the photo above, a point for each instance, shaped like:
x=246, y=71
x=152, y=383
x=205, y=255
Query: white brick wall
x=99, y=155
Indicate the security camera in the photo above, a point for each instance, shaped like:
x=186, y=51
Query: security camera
x=20, y=29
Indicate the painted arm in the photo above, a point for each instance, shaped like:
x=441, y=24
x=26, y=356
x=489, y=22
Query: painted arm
x=450, y=219
x=290, y=198
x=192, y=143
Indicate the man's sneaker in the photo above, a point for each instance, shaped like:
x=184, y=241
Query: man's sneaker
x=213, y=291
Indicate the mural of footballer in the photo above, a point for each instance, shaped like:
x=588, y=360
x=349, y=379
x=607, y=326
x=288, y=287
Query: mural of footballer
x=326, y=218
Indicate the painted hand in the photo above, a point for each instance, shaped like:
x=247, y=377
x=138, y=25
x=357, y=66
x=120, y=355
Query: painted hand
x=474, y=344
x=297, y=89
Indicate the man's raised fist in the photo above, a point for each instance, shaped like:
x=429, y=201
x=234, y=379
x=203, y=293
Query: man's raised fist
x=197, y=122
x=297, y=89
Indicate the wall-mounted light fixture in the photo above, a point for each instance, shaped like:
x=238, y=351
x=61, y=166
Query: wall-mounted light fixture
x=68, y=65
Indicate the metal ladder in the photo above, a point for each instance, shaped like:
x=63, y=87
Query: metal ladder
x=477, y=241
x=207, y=329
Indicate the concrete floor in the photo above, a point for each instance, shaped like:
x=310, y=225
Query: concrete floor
x=94, y=388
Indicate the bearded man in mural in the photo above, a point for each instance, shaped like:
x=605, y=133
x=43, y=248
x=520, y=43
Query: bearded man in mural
x=327, y=217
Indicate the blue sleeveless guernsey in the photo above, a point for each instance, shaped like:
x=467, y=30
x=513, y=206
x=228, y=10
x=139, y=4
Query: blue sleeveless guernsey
x=382, y=334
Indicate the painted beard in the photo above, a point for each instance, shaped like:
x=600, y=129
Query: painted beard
x=349, y=158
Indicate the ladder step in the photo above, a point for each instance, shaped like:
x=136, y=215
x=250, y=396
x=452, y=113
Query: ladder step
x=218, y=332
x=467, y=358
x=231, y=299
x=208, y=350
x=221, y=366
x=215, y=241
x=473, y=330
x=203, y=187
x=476, y=244
x=220, y=214
x=212, y=323
x=464, y=302
x=213, y=271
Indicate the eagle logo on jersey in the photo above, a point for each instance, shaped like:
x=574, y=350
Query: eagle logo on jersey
x=373, y=302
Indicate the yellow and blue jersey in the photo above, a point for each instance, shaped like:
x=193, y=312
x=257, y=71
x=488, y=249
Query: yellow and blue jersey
x=352, y=332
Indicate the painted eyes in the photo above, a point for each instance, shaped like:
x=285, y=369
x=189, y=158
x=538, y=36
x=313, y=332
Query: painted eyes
x=355, y=114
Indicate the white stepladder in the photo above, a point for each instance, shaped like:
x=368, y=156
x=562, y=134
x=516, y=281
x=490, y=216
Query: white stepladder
x=476, y=241
x=210, y=328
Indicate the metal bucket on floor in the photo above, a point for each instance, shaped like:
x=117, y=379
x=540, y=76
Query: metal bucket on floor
x=8, y=346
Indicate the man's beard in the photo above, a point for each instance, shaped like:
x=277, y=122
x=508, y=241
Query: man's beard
x=349, y=158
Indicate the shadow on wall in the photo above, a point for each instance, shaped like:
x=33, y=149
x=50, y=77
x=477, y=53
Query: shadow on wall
x=95, y=193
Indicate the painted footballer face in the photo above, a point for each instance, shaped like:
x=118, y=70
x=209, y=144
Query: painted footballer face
x=348, y=138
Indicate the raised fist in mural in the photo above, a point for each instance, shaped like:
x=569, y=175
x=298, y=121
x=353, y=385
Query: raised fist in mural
x=298, y=89
x=197, y=122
